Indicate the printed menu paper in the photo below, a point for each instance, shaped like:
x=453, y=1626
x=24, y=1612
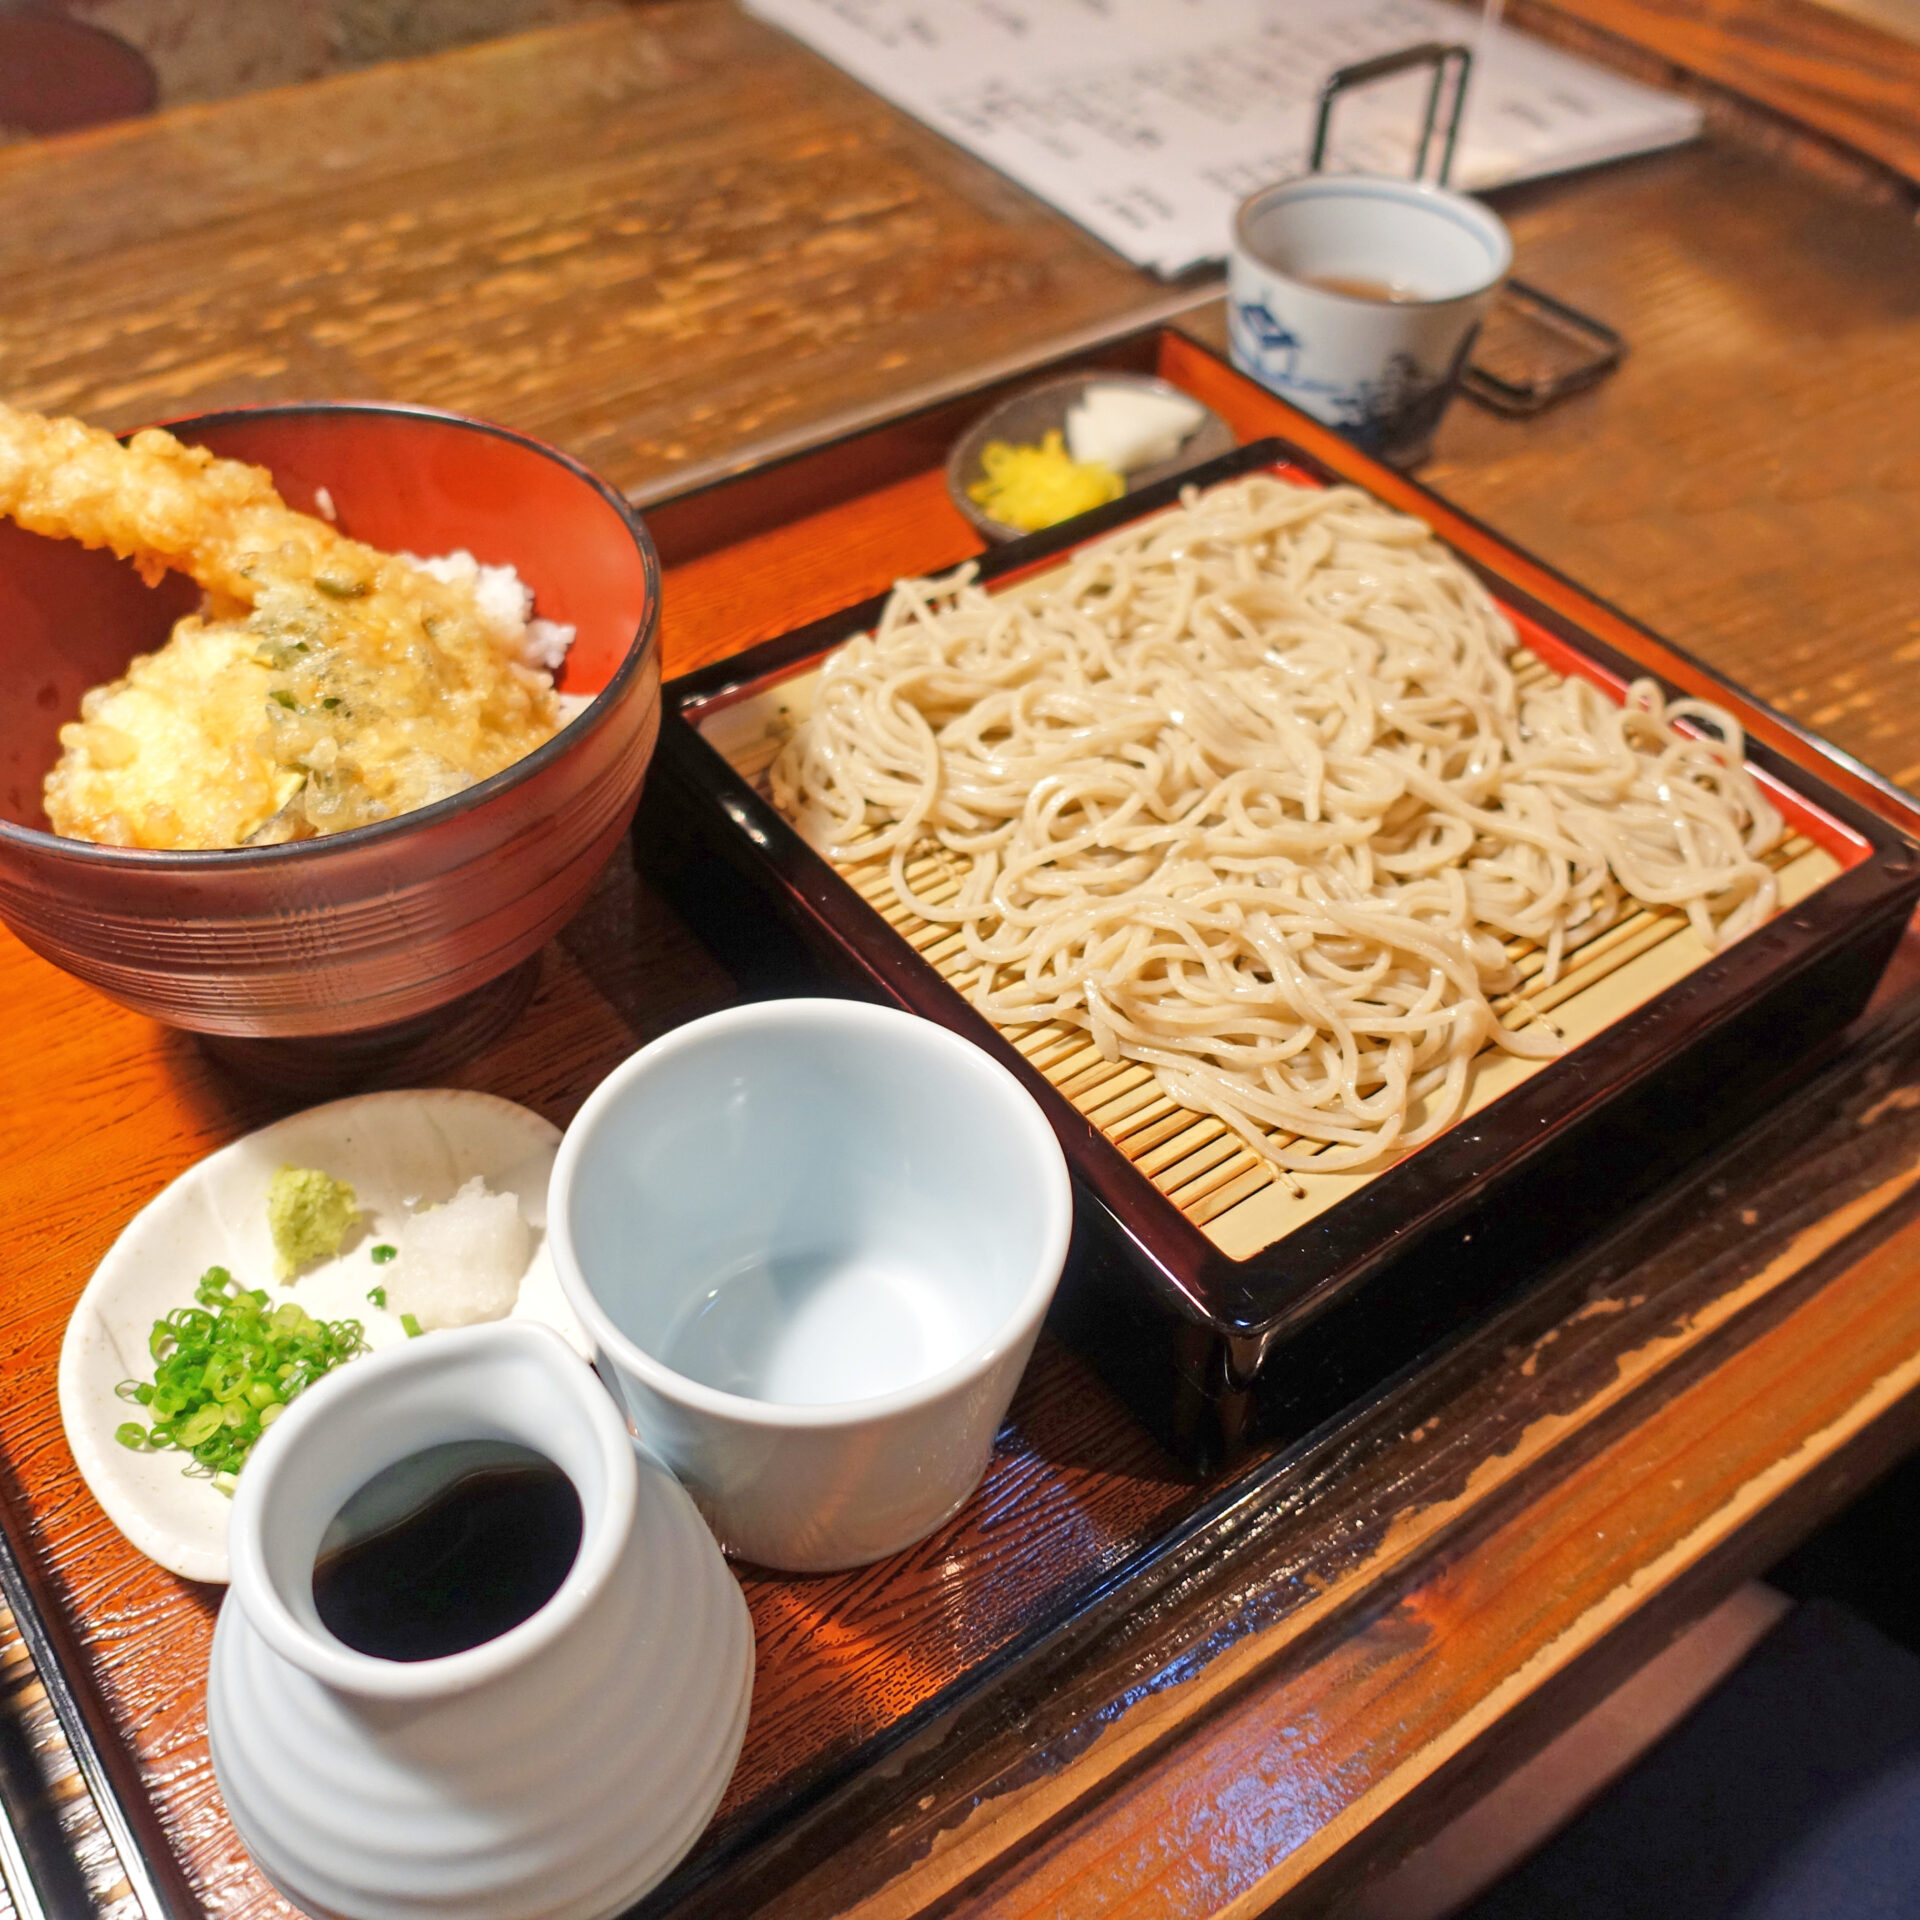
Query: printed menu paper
x=1147, y=121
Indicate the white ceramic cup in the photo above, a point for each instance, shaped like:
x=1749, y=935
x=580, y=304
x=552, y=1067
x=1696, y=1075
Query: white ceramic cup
x=1380, y=369
x=813, y=1242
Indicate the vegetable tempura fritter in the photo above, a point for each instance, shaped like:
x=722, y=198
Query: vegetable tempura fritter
x=322, y=686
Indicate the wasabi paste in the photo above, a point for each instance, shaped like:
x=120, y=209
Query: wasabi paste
x=309, y=1214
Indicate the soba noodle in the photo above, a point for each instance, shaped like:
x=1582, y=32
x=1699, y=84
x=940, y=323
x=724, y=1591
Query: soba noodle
x=1251, y=796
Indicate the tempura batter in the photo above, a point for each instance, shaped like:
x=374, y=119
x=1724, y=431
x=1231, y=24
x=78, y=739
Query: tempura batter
x=322, y=686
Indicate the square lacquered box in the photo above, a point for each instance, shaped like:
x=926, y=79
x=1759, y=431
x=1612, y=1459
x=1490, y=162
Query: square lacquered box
x=1225, y=1303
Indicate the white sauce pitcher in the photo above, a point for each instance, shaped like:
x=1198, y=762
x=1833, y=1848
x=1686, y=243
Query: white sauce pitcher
x=558, y=1770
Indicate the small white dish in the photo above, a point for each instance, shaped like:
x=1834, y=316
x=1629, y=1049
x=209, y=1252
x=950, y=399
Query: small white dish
x=392, y=1148
x=813, y=1242
x=553, y=1772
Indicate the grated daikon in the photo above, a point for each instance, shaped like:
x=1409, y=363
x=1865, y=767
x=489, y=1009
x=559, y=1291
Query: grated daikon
x=461, y=1262
x=1125, y=428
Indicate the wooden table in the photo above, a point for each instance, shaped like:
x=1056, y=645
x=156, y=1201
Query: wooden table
x=675, y=244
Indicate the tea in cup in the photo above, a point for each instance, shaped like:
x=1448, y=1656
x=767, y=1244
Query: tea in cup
x=1358, y=299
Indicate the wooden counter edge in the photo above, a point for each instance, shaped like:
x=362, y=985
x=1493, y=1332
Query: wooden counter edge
x=1775, y=1480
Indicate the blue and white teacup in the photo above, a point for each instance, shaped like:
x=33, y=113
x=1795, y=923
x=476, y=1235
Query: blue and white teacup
x=1358, y=299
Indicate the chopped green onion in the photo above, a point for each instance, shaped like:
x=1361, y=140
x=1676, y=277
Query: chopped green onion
x=378, y=1295
x=412, y=1326
x=201, y=1424
x=383, y=1253
x=225, y=1369
x=280, y=695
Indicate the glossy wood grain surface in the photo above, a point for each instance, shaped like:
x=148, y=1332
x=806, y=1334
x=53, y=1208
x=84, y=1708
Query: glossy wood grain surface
x=1817, y=67
x=725, y=250
x=650, y=238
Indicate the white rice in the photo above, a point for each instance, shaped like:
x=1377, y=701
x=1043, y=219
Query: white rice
x=506, y=605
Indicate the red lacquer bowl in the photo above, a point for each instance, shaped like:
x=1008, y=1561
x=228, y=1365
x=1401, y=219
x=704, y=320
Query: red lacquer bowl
x=373, y=928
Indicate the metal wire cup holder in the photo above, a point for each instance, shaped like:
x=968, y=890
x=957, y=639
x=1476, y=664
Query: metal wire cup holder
x=1595, y=348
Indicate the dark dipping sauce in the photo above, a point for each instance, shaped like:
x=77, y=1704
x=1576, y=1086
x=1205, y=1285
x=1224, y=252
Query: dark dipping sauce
x=446, y=1549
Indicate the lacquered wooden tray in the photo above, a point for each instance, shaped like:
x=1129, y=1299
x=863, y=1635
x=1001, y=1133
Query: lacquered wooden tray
x=1082, y=1521
x=1215, y=1297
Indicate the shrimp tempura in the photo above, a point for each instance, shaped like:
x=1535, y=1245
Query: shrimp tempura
x=323, y=685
